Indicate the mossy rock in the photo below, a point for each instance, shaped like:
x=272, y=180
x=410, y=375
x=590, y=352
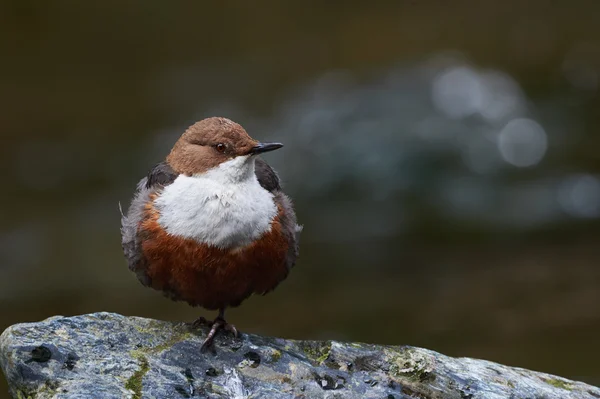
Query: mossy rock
x=112, y=356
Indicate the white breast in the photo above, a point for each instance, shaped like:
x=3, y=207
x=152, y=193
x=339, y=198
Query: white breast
x=225, y=207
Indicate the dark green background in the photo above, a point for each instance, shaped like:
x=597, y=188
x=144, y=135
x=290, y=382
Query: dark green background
x=93, y=93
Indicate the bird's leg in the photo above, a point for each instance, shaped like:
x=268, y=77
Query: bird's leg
x=226, y=326
x=217, y=324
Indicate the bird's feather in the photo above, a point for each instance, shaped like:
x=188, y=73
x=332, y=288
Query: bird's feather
x=161, y=175
x=266, y=176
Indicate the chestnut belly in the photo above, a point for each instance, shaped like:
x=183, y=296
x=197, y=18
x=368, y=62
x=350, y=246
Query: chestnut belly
x=206, y=276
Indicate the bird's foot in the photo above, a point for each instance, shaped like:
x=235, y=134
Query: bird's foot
x=218, y=324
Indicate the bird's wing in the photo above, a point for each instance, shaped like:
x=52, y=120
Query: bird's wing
x=266, y=176
x=269, y=180
x=160, y=176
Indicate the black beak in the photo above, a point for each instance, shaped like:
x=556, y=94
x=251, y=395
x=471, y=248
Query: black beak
x=264, y=147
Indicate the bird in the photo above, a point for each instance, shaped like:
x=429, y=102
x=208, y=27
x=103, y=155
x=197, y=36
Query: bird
x=210, y=225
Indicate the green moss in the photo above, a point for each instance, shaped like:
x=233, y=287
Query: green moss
x=21, y=395
x=168, y=343
x=558, y=383
x=157, y=329
x=323, y=357
x=317, y=352
x=275, y=356
x=152, y=326
x=510, y=384
x=48, y=389
x=407, y=363
x=134, y=383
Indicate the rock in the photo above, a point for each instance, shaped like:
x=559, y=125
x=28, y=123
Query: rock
x=105, y=355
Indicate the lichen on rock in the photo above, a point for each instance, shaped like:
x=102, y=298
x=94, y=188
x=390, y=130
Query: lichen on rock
x=112, y=356
x=134, y=383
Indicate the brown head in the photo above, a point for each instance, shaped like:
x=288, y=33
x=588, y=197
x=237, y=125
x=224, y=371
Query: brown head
x=211, y=142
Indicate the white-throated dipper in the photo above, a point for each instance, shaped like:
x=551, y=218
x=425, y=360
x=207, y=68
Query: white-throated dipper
x=210, y=225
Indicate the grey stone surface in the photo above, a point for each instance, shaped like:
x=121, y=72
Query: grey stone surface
x=106, y=355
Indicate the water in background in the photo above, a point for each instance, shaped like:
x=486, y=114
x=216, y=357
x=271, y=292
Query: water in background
x=443, y=161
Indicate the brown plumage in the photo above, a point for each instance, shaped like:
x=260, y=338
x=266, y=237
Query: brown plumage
x=186, y=232
x=211, y=277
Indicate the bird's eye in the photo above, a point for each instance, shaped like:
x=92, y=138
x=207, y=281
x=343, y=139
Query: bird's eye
x=220, y=147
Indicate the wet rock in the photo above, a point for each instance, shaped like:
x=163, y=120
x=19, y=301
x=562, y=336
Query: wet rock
x=211, y=372
x=253, y=358
x=112, y=356
x=41, y=354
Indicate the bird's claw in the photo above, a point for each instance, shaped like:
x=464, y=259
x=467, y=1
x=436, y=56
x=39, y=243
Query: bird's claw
x=218, y=324
x=231, y=328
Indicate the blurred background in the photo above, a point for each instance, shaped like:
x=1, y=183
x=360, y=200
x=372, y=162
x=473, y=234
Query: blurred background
x=443, y=157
